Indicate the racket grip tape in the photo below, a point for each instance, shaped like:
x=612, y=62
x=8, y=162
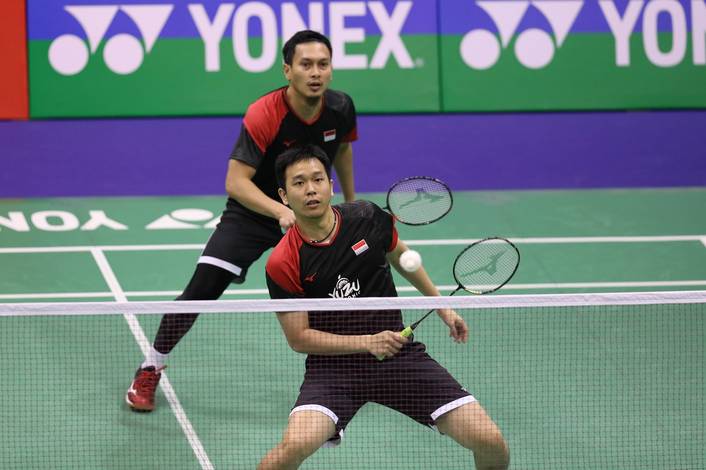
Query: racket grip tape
x=407, y=332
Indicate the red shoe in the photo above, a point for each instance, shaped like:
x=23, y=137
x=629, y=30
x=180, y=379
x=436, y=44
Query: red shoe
x=140, y=395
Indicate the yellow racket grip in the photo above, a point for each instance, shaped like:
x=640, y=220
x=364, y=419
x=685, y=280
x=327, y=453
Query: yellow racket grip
x=407, y=332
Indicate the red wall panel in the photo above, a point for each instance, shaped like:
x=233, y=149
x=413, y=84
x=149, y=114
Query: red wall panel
x=13, y=60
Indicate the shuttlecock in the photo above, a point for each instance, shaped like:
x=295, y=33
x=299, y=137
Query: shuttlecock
x=410, y=260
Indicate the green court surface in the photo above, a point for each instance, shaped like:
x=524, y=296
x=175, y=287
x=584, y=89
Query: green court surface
x=572, y=388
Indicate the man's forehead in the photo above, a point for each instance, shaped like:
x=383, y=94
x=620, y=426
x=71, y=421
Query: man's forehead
x=308, y=166
x=313, y=50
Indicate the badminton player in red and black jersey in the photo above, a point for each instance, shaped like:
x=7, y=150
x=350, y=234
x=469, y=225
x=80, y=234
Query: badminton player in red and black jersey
x=303, y=112
x=346, y=251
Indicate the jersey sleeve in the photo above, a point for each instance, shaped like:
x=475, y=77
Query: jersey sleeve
x=282, y=270
x=246, y=150
x=261, y=124
x=384, y=224
x=277, y=291
x=351, y=131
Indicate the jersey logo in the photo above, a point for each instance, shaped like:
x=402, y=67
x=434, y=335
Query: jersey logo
x=329, y=135
x=360, y=247
x=345, y=288
x=310, y=278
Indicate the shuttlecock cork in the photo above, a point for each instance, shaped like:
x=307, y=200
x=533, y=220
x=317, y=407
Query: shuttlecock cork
x=410, y=261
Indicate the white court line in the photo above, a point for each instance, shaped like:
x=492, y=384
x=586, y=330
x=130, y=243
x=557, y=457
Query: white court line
x=440, y=241
x=144, y=344
x=560, y=240
x=442, y=288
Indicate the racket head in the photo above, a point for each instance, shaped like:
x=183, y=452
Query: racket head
x=419, y=200
x=486, y=265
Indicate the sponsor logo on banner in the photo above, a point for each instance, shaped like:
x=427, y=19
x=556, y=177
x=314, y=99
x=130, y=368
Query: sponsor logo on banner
x=124, y=53
x=536, y=48
x=66, y=221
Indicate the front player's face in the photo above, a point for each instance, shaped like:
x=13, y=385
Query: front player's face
x=309, y=189
x=310, y=73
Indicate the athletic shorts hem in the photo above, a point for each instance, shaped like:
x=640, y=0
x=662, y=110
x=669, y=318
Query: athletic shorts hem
x=319, y=408
x=335, y=441
x=230, y=267
x=442, y=410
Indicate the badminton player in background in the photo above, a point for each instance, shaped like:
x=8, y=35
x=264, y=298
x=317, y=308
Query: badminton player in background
x=305, y=111
x=346, y=251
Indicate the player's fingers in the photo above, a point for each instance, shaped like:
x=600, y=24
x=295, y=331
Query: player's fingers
x=459, y=332
x=462, y=332
x=401, y=339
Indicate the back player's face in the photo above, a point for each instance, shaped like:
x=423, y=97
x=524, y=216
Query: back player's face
x=309, y=189
x=310, y=73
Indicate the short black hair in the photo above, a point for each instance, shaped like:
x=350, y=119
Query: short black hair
x=302, y=37
x=296, y=154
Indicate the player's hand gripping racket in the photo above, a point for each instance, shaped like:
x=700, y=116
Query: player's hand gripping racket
x=481, y=268
x=419, y=200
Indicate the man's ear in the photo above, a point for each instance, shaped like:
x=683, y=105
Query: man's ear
x=287, y=69
x=331, y=186
x=283, y=196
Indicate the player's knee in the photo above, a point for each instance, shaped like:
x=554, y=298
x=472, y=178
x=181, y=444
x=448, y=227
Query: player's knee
x=298, y=447
x=493, y=448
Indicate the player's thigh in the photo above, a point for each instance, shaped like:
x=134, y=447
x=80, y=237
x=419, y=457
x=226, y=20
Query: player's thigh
x=237, y=243
x=308, y=430
x=470, y=426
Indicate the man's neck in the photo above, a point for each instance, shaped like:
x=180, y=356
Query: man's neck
x=318, y=230
x=305, y=108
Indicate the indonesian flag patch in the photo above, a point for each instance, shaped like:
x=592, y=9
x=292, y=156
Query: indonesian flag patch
x=360, y=247
x=330, y=135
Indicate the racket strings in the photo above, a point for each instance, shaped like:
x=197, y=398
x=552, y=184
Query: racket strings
x=486, y=266
x=418, y=201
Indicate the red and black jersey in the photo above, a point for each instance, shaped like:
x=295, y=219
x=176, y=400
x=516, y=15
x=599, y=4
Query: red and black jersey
x=352, y=264
x=271, y=126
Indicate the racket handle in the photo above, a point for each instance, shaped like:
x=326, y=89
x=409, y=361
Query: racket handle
x=407, y=332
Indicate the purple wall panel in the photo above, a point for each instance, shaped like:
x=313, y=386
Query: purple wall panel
x=185, y=156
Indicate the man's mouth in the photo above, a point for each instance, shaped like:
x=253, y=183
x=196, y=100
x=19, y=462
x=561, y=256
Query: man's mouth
x=312, y=203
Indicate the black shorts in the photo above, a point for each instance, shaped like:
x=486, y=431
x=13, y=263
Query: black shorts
x=238, y=241
x=412, y=383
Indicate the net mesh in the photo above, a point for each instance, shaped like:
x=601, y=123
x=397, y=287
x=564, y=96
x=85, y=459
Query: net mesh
x=573, y=382
x=419, y=201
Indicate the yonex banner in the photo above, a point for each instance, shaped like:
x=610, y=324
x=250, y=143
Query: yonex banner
x=105, y=58
x=573, y=54
x=133, y=58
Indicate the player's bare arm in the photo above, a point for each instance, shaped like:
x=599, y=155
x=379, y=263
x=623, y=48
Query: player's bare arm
x=306, y=340
x=240, y=187
x=343, y=163
x=458, y=329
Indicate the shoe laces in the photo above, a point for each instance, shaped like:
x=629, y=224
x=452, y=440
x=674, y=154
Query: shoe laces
x=148, y=379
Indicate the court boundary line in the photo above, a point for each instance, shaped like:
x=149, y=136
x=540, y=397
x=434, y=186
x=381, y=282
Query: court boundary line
x=142, y=341
x=443, y=288
x=440, y=241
